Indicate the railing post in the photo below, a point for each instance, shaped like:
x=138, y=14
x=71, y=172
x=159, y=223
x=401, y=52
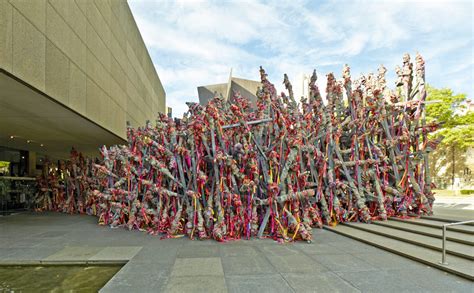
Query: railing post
x=443, y=260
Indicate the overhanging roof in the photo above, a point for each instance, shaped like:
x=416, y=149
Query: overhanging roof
x=28, y=114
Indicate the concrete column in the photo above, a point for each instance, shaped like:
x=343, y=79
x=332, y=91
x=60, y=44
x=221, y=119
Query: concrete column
x=31, y=164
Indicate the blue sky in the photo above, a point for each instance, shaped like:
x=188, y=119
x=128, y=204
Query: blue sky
x=195, y=43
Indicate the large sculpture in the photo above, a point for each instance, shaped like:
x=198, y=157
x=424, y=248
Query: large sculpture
x=228, y=171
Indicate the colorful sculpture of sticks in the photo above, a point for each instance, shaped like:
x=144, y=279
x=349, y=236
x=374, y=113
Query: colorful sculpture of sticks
x=67, y=187
x=229, y=170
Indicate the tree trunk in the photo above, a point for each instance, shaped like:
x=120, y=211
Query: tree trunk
x=453, y=169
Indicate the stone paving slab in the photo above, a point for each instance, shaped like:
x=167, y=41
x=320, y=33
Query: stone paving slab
x=116, y=253
x=332, y=263
x=227, y=250
x=273, y=283
x=134, y=266
x=320, y=248
x=152, y=281
x=28, y=254
x=349, y=245
x=5, y=253
x=295, y=264
x=438, y=281
x=51, y=234
x=282, y=249
x=14, y=242
x=210, y=266
x=344, y=263
x=380, y=281
x=209, y=284
x=320, y=282
x=157, y=255
x=188, y=251
x=77, y=253
x=247, y=265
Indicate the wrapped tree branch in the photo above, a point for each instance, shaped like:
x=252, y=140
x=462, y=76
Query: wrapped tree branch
x=230, y=170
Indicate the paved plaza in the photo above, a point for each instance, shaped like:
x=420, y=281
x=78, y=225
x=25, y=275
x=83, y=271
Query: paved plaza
x=332, y=263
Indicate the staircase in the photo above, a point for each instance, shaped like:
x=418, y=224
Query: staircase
x=419, y=239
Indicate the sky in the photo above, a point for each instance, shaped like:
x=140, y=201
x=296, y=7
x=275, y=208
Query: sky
x=194, y=43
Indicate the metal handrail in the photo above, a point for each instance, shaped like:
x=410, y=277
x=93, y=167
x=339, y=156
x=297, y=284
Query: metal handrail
x=443, y=259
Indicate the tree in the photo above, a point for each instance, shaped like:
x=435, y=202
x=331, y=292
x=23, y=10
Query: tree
x=456, y=131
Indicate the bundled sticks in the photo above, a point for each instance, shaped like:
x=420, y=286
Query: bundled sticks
x=228, y=170
x=67, y=187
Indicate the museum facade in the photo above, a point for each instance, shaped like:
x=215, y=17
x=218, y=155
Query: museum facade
x=72, y=73
x=245, y=87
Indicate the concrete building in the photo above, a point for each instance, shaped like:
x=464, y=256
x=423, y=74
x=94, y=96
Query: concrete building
x=247, y=88
x=72, y=72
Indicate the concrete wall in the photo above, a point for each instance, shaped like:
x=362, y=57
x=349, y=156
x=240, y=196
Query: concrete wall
x=208, y=92
x=442, y=162
x=247, y=88
x=88, y=55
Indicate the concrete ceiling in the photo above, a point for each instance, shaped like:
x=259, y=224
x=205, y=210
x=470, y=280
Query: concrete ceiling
x=28, y=114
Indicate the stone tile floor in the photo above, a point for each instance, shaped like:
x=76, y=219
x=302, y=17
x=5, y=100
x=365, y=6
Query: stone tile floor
x=332, y=263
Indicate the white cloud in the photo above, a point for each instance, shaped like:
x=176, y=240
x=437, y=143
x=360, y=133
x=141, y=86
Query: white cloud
x=197, y=42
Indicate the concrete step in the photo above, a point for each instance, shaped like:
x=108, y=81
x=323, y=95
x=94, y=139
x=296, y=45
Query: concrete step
x=456, y=265
x=428, y=231
x=453, y=214
x=437, y=224
x=447, y=219
x=453, y=248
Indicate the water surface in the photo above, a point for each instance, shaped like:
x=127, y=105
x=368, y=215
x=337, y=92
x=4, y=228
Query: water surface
x=58, y=278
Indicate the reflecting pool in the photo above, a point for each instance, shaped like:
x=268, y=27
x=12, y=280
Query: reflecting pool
x=56, y=278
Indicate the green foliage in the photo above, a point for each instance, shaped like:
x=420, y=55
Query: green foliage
x=461, y=136
x=442, y=111
x=457, y=130
x=467, y=191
